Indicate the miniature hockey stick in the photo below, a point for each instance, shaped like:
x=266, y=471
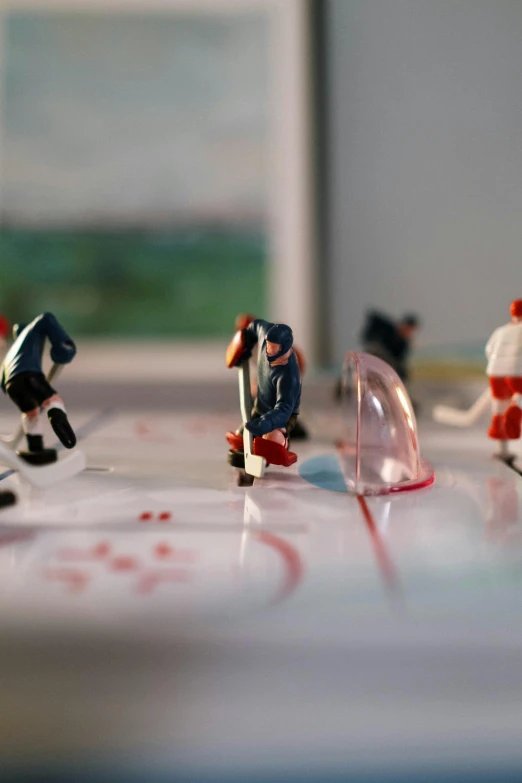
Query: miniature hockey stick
x=14, y=439
x=254, y=465
x=457, y=418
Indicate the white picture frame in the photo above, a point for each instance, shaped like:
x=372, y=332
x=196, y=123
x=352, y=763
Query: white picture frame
x=291, y=265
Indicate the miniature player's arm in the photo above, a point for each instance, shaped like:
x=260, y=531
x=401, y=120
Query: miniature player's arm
x=254, y=332
x=63, y=349
x=492, y=344
x=278, y=417
x=240, y=349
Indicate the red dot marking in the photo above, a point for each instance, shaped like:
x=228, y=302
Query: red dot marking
x=124, y=563
x=102, y=549
x=163, y=550
x=165, y=515
x=145, y=516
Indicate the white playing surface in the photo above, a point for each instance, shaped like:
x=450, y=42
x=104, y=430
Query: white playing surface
x=155, y=614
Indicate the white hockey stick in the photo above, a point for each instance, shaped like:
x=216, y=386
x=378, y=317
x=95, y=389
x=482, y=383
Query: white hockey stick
x=457, y=418
x=254, y=466
x=14, y=439
x=44, y=475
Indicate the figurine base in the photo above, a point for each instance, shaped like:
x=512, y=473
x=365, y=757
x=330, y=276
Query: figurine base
x=44, y=457
x=244, y=479
x=236, y=458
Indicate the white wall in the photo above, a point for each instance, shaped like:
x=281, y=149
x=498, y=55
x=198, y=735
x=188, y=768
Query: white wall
x=426, y=163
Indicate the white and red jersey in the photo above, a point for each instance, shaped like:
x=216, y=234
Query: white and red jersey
x=504, y=351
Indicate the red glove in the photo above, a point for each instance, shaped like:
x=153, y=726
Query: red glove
x=243, y=320
x=237, y=350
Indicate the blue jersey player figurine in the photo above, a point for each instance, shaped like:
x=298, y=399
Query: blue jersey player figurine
x=22, y=379
x=276, y=406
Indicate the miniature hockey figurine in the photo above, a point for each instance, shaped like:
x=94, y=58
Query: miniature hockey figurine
x=299, y=431
x=389, y=340
x=276, y=406
x=504, y=370
x=22, y=379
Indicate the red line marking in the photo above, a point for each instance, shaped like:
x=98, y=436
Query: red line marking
x=150, y=580
x=98, y=552
x=383, y=559
x=294, y=568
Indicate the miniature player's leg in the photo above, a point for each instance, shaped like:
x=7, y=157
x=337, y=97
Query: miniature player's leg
x=281, y=436
x=277, y=436
x=24, y=390
x=32, y=428
x=300, y=432
x=500, y=398
x=513, y=415
x=36, y=454
x=273, y=446
x=31, y=391
x=57, y=415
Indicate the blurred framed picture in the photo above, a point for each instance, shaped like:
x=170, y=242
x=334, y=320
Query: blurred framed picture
x=154, y=168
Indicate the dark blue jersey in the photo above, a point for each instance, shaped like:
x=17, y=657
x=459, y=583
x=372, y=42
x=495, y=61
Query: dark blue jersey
x=278, y=388
x=25, y=354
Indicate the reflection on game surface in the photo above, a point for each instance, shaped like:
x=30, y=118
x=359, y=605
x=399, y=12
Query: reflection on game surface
x=156, y=568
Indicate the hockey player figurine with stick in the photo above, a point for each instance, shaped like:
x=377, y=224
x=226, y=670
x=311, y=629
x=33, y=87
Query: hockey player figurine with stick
x=299, y=431
x=276, y=406
x=22, y=379
x=504, y=370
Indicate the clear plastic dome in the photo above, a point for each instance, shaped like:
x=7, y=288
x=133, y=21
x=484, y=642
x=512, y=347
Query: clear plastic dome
x=379, y=450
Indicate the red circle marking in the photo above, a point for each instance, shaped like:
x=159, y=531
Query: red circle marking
x=294, y=568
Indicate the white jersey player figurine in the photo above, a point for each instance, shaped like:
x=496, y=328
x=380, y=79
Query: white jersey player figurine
x=504, y=370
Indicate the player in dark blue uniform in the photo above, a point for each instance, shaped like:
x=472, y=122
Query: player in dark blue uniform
x=299, y=431
x=276, y=406
x=390, y=340
x=22, y=379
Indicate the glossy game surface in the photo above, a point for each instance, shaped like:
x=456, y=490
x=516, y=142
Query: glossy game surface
x=157, y=620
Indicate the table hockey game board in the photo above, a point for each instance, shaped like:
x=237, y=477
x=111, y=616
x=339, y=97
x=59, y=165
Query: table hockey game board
x=161, y=623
